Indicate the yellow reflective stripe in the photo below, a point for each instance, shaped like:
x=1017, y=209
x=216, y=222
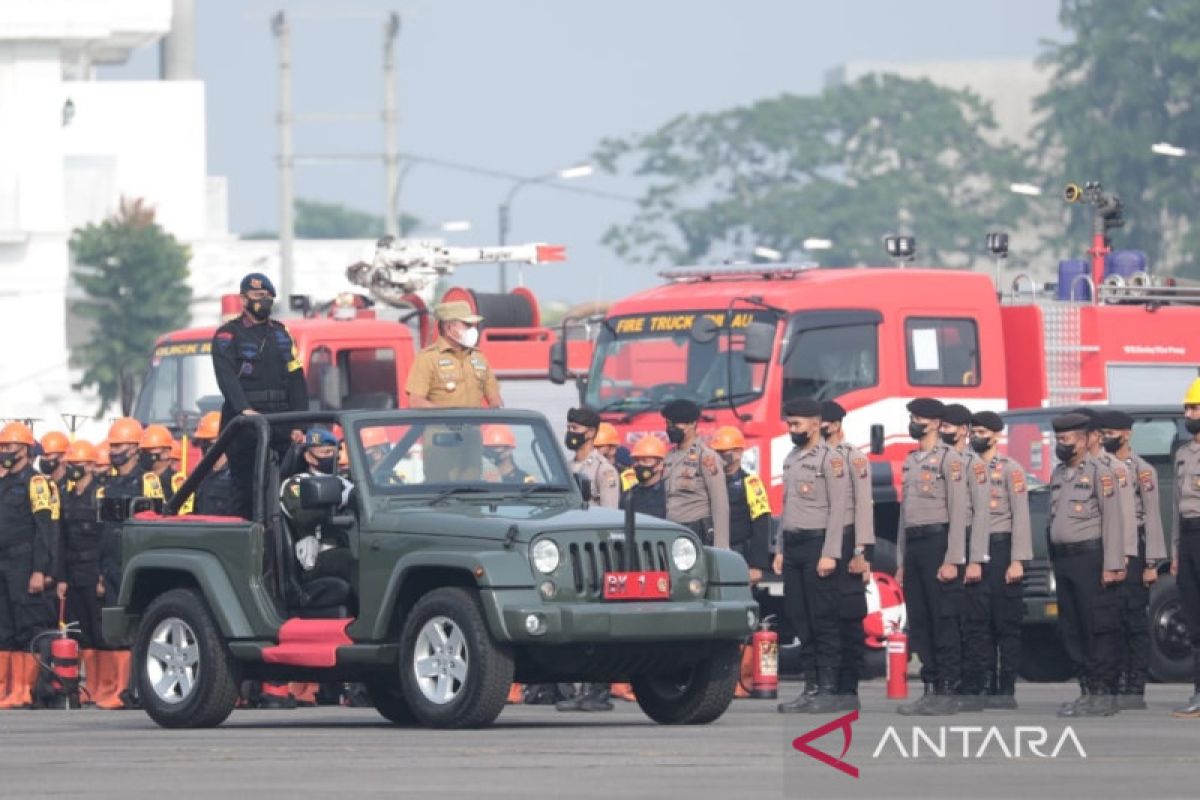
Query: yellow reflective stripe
x=756, y=497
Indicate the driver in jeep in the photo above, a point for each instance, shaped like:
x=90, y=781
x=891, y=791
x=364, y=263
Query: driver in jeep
x=321, y=552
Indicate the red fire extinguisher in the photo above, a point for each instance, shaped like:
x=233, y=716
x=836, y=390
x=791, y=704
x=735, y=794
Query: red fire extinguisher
x=64, y=659
x=897, y=665
x=765, y=644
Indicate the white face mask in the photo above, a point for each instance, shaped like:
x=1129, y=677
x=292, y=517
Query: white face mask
x=469, y=337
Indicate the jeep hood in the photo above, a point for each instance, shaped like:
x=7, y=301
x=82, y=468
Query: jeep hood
x=480, y=521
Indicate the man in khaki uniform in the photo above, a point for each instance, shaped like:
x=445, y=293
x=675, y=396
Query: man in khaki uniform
x=1185, y=548
x=932, y=549
x=697, y=497
x=451, y=373
x=816, y=485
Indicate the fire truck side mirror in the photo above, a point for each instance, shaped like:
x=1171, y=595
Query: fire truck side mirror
x=877, y=439
x=331, y=387
x=558, y=363
x=759, y=344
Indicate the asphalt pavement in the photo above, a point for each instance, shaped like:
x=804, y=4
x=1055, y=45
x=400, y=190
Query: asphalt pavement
x=538, y=752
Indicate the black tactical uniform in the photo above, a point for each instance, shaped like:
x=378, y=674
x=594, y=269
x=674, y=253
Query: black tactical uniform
x=28, y=536
x=214, y=496
x=79, y=559
x=749, y=519
x=650, y=500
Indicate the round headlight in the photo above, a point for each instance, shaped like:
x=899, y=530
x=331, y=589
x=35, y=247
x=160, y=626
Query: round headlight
x=545, y=555
x=683, y=554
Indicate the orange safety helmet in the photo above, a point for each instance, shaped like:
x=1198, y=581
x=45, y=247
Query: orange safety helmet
x=498, y=436
x=728, y=438
x=375, y=436
x=209, y=427
x=606, y=436
x=80, y=451
x=125, y=430
x=649, y=446
x=102, y=459
x=156, y=436
x=55, y=443
x=16, y=433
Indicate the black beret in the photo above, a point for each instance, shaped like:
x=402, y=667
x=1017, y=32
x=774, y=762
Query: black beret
x=681, y=411
x=988, y=419
x=1092, y=416
x=956, y=414
x=1070, y=422
x=926, y=407
x=1115, y=419
x=832, y=411
x=584, y=416
x=802, y=407
x=256, y=280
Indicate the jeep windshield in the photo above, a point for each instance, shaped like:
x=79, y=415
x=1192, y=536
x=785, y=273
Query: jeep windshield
x=180, y=386
x=645, y=360
x=453, y=458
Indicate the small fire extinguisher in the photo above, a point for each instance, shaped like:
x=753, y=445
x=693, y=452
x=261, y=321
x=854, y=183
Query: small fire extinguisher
x=765, y=643
x=897, y=665
x=64, y=658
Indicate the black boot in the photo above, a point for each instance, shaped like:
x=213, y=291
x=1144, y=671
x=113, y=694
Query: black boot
x=800, y=704
x=917, y=707
x=595, y=698
x=945, y=700
x=1102, y=702
x=1070, y=708
x=1005, y=697
x=1132, y=692
x=826, y=698
x=848, y=691
x=974, y=695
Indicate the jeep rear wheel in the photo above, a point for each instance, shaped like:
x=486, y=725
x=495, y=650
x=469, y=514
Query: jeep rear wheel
x=185, y=675
x=451, y=672
x=696, y=695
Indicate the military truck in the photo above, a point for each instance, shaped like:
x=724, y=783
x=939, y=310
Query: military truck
x=463, y=580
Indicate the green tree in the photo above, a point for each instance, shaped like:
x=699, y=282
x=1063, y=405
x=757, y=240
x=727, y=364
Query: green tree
x=135, y=278
x=883, y=154
x=318, y=220
x=1129, y=78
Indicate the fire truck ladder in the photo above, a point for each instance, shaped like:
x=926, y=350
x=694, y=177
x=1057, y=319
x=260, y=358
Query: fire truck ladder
x=1064, y=356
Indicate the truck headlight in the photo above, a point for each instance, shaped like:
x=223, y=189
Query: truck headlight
x=683, y=554
x=545, y=556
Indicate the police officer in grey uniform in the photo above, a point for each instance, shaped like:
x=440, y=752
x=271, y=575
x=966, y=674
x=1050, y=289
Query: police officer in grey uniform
x=858, y=552
x=932, y=549
x=1087, y=546
x=1185, y=549
x=816, y=485
x=1144, y=550
x=600, y=478
x=697, y=497
x=992, y=644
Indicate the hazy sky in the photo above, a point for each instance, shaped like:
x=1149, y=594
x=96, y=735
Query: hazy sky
x=529, y=86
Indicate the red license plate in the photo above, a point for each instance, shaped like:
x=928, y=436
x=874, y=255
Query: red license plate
x=637, y=586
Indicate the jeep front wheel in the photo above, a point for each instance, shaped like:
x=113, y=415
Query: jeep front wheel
x=696, y=695
x=451, y=672
x=185, y=675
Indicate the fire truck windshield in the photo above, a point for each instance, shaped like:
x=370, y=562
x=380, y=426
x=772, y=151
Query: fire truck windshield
x=180, y=385
x=644, y=360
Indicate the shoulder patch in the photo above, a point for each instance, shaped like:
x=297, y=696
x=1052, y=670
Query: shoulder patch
x=151, y=485
x=1018, y=481
x=1146, y=479
x=710, y=464
x=1122, y=478
x=980, y=470
x=956, y=471
x=1106, y=485
x=838, y=466
x=40, y=496
x=861, y=466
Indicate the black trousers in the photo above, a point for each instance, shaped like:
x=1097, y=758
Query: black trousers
x=82, y=604
x=934, y=608
x=1188, y=581
x=241, y=466
x=1135, y=616
x=992, y=620
x=22, y=615
x=1089, y=618
x=811, y=601
x=702, y=528
x=852, y=608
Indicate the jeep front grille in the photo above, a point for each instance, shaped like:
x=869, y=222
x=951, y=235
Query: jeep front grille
x=1037, y=580
x=590, y=560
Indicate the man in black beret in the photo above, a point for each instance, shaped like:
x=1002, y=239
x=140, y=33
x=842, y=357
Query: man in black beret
x=931, y=545
x=1144, y=550
x=697, y=497
x=1087, y=547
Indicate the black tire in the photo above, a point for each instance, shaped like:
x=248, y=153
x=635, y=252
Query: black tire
x=389, y=701
x=1043, y=657
x=482, y=692
x=1170, y=646
x=214, y=688
x=696, y=695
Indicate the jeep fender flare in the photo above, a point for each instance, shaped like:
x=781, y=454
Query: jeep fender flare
x=726, y=567
x=209, y=576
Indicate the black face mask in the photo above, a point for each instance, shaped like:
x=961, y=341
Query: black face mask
x=574, y=441
x=1112, y=443
x=147, y=461
x=800, y=439
x=950, y=438
x=727, y=459
x=9, y=460
x=325, y=465
x=674, y=434
x=916, y=430
x=643, y=474
x=493, y=455
x=49, y=465
x=261, y=309
x=119, y=459
x=1192, y=426
x=75, y=472
x=1065, y=452
x=825, y=432
x=981, y=444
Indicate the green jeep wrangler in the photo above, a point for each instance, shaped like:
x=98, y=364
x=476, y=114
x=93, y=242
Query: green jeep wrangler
x=461, y=582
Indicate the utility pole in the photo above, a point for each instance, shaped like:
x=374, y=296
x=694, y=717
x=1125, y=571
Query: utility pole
x=287, y=222
x=391, y=149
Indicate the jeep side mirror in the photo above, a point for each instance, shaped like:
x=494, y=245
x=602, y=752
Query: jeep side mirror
x=759, y=343
x=320, y=492
x=558, y=363
x=876, y=439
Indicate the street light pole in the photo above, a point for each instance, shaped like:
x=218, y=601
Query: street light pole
x=287, y=222
x=391, y=154
x=504, y=222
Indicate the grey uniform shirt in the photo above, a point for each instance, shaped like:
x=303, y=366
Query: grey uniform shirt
x=1008, y=505
x=935, y=493
x=1187, y=489
x=602, y=477
x=1084, y=505
x=1146, y=508
x=695, y=486
x=816, y=488
x=976, y=475
x=860, y=507
x=1127, y=494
